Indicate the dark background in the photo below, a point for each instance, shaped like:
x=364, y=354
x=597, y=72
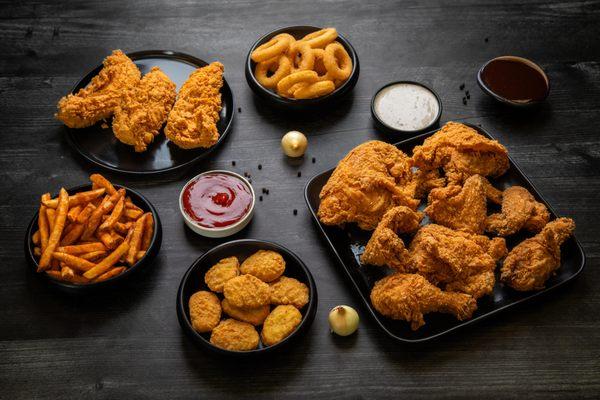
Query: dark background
x=127, y=344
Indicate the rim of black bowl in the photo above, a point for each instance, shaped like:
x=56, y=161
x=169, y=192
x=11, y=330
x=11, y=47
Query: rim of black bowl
x=389, y=129
x=482, y=85
x=267, y=93
x=136, y=55
x=151, y=253
x=307, y=318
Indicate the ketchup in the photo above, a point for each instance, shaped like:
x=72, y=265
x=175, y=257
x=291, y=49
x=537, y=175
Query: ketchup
x=216, y=200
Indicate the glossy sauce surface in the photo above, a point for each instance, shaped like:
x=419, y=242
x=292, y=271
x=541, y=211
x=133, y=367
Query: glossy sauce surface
x=515, y=80
x=216, y=200
x=406, y=106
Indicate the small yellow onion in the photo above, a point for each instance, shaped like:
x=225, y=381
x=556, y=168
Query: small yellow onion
x=294, y=144
x=343, y=320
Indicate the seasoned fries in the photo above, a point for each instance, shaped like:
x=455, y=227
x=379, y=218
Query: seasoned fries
x=90, y=236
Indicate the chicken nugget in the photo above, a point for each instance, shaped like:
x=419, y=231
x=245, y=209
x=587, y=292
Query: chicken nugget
x=280, y=324
x=205, y=311
x=221, y=272
x=254, y=316
x=247, y=291
x=289, y=291
x=266, y=265
x=234, y=335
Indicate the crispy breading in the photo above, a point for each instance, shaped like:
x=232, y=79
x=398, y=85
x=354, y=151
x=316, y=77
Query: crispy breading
x=255, y=316
x=234, y=335
x=221, y=272
x=290, y=291
x=205, y=311
x=280, y=323
x=266, y=265
x=247, y=291
x=519, y=210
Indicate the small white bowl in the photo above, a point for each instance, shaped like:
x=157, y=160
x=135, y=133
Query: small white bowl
x=224, y=231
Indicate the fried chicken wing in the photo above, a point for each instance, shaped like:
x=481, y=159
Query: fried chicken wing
x=461, y=152
x=519, y=210
x=98, y=100
x=372, y=178
x=529, y=265
x=143, y=110
x=385, y=247
x=408, y=296
x=193, y=120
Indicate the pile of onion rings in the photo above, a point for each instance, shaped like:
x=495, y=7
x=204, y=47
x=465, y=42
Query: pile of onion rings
x=308, y=68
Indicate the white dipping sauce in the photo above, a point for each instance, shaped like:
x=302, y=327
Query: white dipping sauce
x=406, y=106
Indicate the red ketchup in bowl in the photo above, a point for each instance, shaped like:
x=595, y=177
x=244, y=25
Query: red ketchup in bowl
x=216, y=200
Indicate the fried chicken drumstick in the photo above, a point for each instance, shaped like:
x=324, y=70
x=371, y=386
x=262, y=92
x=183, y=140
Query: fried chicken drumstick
x=519, y=210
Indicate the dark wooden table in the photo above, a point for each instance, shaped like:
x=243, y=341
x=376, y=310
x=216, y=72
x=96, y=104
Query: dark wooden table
x=128, y=344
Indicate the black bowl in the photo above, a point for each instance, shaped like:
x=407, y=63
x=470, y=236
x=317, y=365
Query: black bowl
x=301, y=104
x=151, y=253
x=193, y=281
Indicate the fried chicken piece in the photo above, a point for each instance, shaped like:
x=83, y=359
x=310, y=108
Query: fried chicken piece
x=455, y=260
x=255, y=316
x=289, y=291
x=247, y=291
x=425, y=181
x=372, y=178
x=98, y=100
x=234, y=335
x=205, y=311
x=385, y=247
x=282, y=321
x=408, y=296
x=143, y=110
x=266, y=265
x=226, y=269
x=461, y=152
x=193, y=120
x=529, y=265
x=519, y=210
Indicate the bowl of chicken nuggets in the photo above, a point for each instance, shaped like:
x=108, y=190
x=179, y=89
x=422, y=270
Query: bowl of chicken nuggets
x=246, y=297
x=92, y=236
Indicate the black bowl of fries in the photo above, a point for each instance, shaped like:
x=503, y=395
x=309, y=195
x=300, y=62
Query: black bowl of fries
x=92, y=236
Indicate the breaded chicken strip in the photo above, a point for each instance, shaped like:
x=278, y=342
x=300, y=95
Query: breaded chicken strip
x=193, y=120
x=143, y=110
x=98, y=100
x=519, y=210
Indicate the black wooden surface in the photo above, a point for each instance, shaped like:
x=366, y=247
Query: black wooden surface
x=127, y=344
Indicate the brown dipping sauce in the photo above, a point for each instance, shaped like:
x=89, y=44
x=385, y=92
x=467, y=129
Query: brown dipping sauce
x=515, y=80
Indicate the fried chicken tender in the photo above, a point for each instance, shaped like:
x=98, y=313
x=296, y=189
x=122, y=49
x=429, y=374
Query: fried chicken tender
x=456, y=261
x=221, y=272
x=372, y=178
x=529, y=265
x=98, y=100
x=408, y=296
x=282, y=321
x=255, y=316
x=519, y=210
x=266, y=265
x=193, y=120
x=289, y=291
x=205, y=311
x=234, y=335
x=143, y=110
x=461, y=152
x=385, y=247
x=247, y=291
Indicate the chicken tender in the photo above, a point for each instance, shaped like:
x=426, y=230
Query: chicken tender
x=255, y=316
x=205, y=311
x=519, y=210
x=282, y=321
x=289, y=291
x=234, y=335
x=99, y=99
x=143, y=110
x=193, y=120
x=221, y=272
x=247, y=291
x=266, y=265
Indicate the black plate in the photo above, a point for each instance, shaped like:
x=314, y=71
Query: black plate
x=193, y=281
x=151, y=253
x=100, y=146
x=301, y=104
x=348, y=244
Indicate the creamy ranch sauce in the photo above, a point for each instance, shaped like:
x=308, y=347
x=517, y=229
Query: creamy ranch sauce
x=406, y=107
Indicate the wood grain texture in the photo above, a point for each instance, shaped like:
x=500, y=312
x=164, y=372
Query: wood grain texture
x=127, y=343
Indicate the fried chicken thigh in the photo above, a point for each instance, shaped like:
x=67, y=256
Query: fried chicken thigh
x=98, y=100
x=372, y=178
x=519, y=210
x=529, y=265
x=408, y=296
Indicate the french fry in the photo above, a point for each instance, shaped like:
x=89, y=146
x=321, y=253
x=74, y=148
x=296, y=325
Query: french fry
x=122, y=227
x=78, y=227
x=35, y=238
x=136, y=239
x=50, y=215
x=81, y=248
x=110, y=241
x=96, y=218
x=129, y=204
x=37, y=251
x=110, y=274
x=43, y=223
x=59, y=224
x=73, y=213
x=66, y=273
x=102, y=182
x=54, y=274
x=114, y=217
x=74, y=262
x=109, y=261
x=148, y=232
x=77, y=199
x=93, y=255
x=139, y=255
x=133, y=214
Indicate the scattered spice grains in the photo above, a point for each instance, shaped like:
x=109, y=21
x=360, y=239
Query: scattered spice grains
x=233, y=163
x=465, y=101
x=267, y=192
x=462, y=86
x=299, y=174
x=295, y=212
x=259, y=198
x=259, y=166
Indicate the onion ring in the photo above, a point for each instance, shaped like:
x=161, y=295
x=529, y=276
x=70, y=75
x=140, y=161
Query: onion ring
x=337, y=61
x=319, y=66
x=320, y=38
x=280, y=66
x=305, y=52
x=316, y=89
x=301, y=76
x=274, y=47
